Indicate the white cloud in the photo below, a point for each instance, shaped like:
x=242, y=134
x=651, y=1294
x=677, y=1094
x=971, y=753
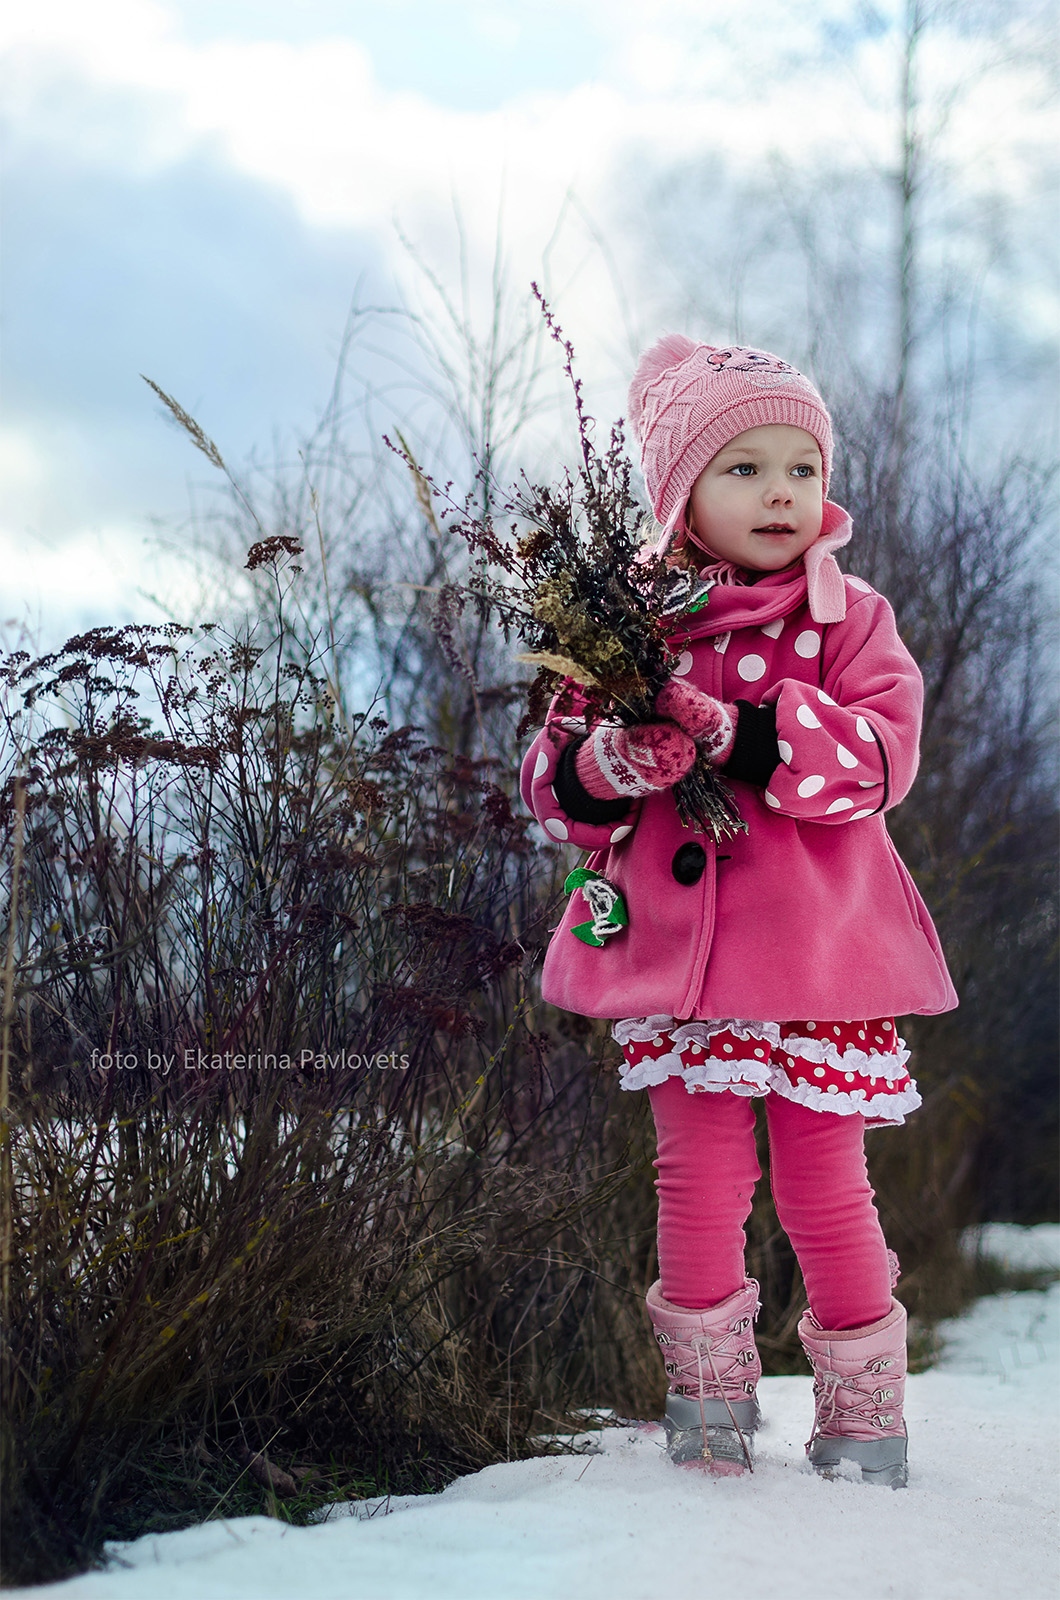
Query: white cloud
x=22, y=465
x=121, y=83
x=60, y=587
x=311, y=117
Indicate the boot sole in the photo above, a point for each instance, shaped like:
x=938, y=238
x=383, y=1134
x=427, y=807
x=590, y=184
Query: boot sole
x=723, y=1457
x=882, y=1461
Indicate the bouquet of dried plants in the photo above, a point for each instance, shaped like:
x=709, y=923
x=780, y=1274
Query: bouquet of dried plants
x=561, y=567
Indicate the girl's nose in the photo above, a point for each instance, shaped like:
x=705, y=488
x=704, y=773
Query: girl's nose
x=778, y=491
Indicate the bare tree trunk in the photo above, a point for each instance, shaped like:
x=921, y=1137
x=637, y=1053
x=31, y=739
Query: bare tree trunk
x=908, y=182
x=909, y=177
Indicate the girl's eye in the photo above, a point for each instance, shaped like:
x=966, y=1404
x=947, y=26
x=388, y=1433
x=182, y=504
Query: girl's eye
x=745, y=469
x=804, y=470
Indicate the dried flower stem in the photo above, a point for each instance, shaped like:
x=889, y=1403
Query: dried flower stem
x=567, y=578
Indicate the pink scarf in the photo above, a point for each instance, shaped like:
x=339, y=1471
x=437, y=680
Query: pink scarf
x=825, y=589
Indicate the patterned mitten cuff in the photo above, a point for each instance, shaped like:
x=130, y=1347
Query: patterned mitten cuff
x=711, y=723
x=626, y=762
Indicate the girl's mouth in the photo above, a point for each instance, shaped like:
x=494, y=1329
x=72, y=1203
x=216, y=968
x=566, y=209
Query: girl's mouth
x=775, y=527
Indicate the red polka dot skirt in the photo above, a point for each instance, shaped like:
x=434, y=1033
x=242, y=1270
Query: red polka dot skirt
x=842, y=1067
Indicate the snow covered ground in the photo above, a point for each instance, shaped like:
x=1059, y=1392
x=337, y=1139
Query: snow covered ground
x=1017, y=1248
x=979, y=1517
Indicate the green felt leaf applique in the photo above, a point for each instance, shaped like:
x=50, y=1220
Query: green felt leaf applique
x=609, y=913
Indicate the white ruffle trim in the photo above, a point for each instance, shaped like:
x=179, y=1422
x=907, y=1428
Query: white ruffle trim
x=641, y=1030
x=751, y=1077
x=888, y=1064
x=742, y=1077
x=888, y=1110
x=646, y=1074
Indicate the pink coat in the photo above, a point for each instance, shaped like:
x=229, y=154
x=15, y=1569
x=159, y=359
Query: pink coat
x=810, y=914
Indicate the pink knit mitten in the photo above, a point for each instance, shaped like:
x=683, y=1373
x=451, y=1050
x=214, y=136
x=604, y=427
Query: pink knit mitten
x=617, y=762
x=711, y=723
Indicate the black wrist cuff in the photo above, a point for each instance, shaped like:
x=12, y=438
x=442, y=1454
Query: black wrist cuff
x=755, y=755
x=576, y=800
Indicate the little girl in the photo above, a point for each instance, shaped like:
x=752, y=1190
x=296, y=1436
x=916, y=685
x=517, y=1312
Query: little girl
x=773, y=966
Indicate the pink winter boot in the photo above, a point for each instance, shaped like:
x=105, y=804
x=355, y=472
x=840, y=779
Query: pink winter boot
x=711, y=1409
x=858, y=1390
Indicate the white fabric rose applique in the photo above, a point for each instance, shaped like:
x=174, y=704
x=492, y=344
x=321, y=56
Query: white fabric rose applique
x=609, y=914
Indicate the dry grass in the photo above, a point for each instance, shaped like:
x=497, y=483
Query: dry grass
x=215, y=1257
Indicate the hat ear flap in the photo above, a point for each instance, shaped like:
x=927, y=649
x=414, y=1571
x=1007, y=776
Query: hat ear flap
x=668, y=352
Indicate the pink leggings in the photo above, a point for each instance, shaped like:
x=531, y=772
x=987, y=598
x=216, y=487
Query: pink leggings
x=707, y=1170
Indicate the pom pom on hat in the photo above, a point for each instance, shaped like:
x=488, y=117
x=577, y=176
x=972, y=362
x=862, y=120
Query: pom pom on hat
x=667, y=352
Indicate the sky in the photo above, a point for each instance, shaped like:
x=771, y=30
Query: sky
x=199, y=191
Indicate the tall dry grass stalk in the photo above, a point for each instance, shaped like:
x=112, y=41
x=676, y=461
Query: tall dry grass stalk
x=6, y=1195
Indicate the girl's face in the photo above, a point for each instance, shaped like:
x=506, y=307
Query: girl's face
x=760, y=501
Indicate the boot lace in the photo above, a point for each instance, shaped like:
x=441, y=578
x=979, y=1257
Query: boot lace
x=687, y=1362
x=865, y=1406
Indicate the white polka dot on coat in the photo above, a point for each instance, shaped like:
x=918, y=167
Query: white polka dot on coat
x=684, y=664
x=773, y=629
x=808, y=644
x=556, y=827
x=786, y=752
x=811, y=785
x=620, y=833
x=771, y=799
x=844, y=756
x=541, y=764
x=857, y=815
x=825, y=699
x=842, y=804
x=864, y=731
x=806, y=717
x=859, y=583
x=751, y=668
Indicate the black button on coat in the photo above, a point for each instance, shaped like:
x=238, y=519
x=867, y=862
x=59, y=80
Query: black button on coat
x=689, y=863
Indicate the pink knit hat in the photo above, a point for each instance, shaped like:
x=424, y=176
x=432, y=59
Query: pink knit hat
x=687, y=400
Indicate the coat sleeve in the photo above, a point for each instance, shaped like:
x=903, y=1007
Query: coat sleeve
x=849, y=748
x=599, y=824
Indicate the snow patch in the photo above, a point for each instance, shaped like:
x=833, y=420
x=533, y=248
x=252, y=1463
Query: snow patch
x=977, y=1520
